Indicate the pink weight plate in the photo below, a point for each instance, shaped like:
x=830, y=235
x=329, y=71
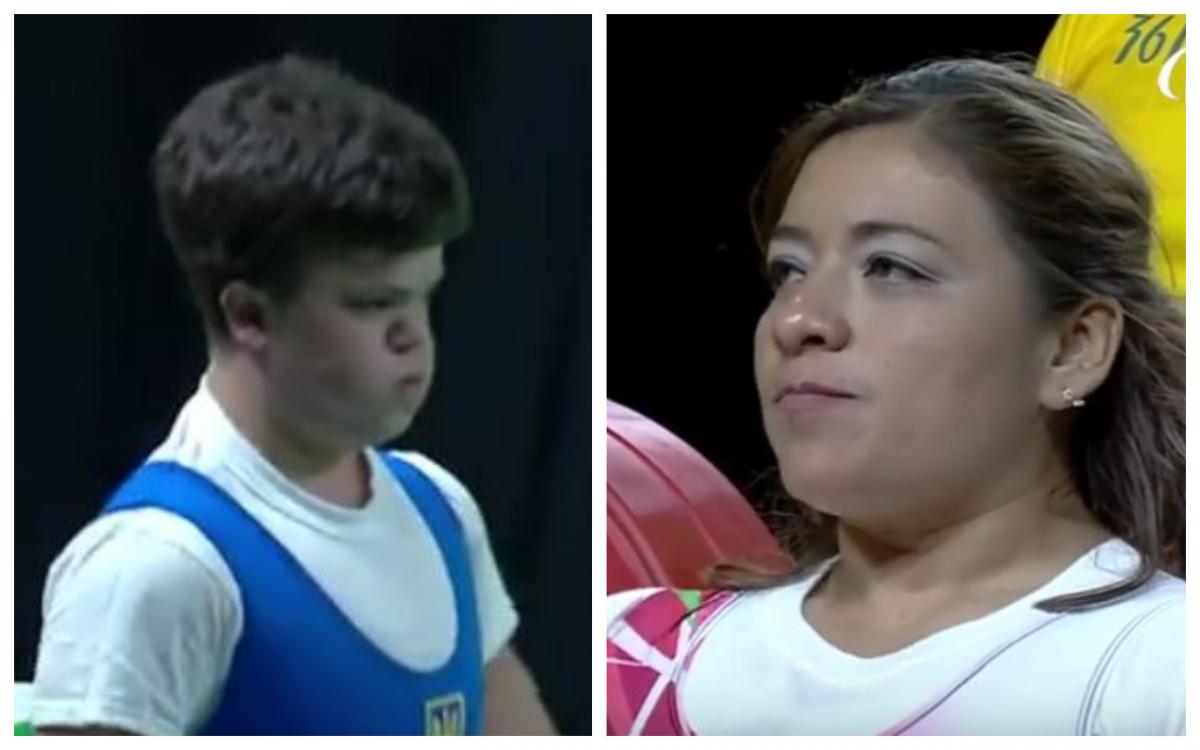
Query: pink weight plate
x=671, y=513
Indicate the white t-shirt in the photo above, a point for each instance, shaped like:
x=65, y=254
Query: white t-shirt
x=141, y=614
x=758, y=667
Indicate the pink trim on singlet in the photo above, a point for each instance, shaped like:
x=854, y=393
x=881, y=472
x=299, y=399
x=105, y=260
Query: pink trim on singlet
x=649, y=652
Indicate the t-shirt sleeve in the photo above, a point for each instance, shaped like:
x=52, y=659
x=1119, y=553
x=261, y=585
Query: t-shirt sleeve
x=1143, y=687
x=641, y=645
x=138, y=629
x=1055, y=64
x=618, y=604
x=497, y=616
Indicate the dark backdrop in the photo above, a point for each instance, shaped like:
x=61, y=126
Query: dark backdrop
x=108, y=347
x=696, y=107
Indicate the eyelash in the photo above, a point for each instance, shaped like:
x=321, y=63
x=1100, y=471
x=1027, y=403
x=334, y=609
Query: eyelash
x=373, y=304
x=778, y=269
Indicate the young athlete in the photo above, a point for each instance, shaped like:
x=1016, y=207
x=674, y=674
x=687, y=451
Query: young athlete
x=265, y=570
x=974, y=389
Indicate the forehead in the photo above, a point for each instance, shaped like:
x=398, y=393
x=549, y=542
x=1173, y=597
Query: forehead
x=887, y=173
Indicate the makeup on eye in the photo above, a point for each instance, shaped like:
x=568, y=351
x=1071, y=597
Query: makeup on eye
x=798, y=243
x=784, y=267
x=894, y=267
x=781, y=267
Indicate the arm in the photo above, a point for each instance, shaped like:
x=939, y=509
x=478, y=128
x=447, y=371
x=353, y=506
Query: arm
x=137, y=631
x=512, y=706
x=511, y=702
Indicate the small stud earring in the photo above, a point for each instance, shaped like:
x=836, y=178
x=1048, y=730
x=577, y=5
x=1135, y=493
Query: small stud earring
x=1069, y=397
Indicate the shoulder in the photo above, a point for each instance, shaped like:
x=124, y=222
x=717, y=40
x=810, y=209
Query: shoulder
x=620, y=603
x=656, y=612
x=453, y=490
x=140, y=618
x=1073, y=43
x=438, y=474
x=146, y=548
x=1142, y=677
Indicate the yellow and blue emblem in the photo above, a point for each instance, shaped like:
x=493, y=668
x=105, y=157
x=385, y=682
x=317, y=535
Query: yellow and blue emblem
x=446, y=715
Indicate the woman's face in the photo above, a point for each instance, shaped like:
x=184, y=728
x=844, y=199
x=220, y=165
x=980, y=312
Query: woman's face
x=896, y=287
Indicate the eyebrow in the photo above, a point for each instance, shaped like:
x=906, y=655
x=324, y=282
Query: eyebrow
x=401, y=293
x=860, y=232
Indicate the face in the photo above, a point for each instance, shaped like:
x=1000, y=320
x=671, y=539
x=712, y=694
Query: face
x=350, y=357
x=897, y=362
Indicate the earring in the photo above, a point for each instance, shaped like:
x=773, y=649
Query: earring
x=1069, y=397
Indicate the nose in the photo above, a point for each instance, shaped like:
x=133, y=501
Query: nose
x=404, y=345
x=810, y=314
x=405, y=338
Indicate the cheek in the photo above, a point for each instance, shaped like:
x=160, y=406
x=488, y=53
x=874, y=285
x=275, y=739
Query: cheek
x=428, y=353
x=950, y=376
x=986, y=359
x=331, y=352
x=766, y=357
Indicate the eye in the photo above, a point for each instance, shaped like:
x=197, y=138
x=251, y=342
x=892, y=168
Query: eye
x=891, y=268
x=781, y=270
x=372, y=304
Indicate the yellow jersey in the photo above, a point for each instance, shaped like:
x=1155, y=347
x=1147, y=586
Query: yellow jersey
x=1130, y=71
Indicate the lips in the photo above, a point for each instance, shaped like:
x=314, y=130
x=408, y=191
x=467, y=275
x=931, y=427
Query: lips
x=810, y=388
x=410, y=382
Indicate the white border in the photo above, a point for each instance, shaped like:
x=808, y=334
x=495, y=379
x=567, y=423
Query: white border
x=7, y=373
x=599, y=299
x=1193, y=619
x=599, y=362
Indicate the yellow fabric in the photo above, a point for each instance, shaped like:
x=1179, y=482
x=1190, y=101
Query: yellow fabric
x=1130, y=71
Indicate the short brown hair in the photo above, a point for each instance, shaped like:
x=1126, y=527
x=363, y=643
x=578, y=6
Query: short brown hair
x=265, y=167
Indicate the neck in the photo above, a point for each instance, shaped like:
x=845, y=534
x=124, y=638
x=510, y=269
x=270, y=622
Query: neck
x=333, y=472
x=1009, y=543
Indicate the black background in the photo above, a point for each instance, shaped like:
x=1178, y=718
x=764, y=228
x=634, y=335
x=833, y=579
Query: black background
x=108, y=347
x=695, y=107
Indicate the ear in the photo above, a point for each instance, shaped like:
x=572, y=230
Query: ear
x=247, y=313
x=1081, y=350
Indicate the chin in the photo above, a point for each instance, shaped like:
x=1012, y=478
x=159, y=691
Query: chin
x=395, y=428
x=826, y=490
x=377, y=432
